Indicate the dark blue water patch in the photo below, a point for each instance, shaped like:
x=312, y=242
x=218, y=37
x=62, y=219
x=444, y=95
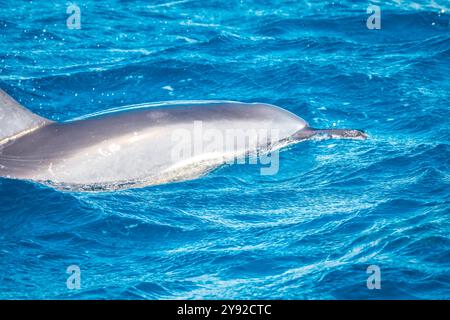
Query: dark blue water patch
x=154, y=291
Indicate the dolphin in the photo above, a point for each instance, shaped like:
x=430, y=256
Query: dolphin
x=145, y=144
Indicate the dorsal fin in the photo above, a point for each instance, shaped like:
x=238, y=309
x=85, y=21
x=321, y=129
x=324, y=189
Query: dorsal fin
x=16, y=120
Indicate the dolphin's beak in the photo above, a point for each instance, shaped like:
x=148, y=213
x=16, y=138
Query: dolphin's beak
x=338, y=133
x=356, y=134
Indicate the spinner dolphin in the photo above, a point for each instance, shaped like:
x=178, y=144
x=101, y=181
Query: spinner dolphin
x=145, y=144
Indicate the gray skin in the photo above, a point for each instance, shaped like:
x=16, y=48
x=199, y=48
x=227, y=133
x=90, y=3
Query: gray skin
x=150, y=144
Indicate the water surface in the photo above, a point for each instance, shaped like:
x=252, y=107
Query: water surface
x=309, y=232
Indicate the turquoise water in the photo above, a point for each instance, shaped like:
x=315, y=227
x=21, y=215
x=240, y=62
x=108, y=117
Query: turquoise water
x=309, y=232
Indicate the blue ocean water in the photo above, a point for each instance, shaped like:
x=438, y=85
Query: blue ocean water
x=309, y=232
